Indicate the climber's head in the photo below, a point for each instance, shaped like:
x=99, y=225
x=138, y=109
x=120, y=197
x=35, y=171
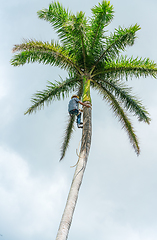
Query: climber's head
x=74, y=96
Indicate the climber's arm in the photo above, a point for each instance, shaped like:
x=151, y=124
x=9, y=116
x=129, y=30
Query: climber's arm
x=84, y=104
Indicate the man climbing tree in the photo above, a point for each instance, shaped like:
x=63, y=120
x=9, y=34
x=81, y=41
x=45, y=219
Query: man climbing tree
x=73, y=109
x=92, y=60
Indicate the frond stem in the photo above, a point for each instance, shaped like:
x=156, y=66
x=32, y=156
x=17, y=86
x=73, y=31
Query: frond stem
x=83, y=51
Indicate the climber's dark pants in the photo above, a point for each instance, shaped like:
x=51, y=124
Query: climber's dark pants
x=77, y=113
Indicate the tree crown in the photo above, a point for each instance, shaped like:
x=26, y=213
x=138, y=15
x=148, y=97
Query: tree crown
x=88, y=54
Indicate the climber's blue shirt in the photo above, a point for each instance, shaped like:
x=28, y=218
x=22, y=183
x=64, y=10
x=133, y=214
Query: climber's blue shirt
x=73, y=104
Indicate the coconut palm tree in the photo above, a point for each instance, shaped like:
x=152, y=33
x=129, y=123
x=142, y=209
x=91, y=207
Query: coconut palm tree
x=92, y=60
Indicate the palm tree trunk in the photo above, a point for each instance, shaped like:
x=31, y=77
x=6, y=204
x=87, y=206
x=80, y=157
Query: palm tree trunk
x=78, y=176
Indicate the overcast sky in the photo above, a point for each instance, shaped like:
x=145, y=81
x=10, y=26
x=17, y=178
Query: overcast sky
x=118, y=197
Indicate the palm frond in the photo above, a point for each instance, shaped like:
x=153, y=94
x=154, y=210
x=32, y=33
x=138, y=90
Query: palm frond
x=77, y=40
x=70, y=128
x=43, y=52
x=102, y=15
x=120, y=113
x=117, y=42
x=54, y=91
x=68, y=133
x=70, y=28
x=129, y=67
x=129, y=101
x=57, y=16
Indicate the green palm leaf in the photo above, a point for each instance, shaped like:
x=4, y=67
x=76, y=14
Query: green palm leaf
x=54, y=91
x=67, y=135
x=77, y=29
x=129, y=67
x=124, y=95
x=102, y=15
x=70, y=28
x=120, y=113
x=57, y=16
x=43, y=52
x=117, y=42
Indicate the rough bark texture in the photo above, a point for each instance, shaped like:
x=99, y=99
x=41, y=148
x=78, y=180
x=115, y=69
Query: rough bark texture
x=78, y=176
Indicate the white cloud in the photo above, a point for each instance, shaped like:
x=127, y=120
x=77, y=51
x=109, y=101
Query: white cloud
x=28, y=204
